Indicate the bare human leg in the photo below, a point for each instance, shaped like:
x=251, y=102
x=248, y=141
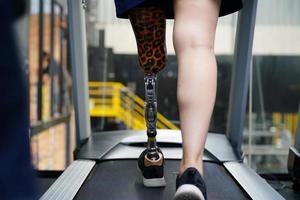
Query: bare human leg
x=193, y=38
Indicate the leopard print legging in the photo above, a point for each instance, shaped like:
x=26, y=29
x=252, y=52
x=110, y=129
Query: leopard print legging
x=149, y=26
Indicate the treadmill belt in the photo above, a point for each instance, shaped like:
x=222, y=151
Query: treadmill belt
x=118, y=180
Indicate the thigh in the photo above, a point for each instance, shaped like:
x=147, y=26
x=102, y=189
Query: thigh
x=196, y=20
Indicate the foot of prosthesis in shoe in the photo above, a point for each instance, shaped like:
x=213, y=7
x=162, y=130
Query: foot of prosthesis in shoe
x=149, y=26
x=151, y=171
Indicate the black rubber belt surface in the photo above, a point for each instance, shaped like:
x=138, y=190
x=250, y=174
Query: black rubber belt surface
x=118, y=180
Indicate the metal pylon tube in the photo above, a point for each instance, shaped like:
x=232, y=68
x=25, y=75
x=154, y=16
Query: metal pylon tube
x=151, y=114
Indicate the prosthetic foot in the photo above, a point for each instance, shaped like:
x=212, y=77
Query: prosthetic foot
x=149, y=24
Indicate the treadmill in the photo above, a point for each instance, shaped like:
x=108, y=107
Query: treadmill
x=105, y=165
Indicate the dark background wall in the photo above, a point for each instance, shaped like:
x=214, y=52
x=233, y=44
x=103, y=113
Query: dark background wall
x=279, y=77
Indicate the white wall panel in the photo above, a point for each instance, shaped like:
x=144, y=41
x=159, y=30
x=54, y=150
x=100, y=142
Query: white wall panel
x=277, y=30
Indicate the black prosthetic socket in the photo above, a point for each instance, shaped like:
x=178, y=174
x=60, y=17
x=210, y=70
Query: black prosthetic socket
x=149, y=26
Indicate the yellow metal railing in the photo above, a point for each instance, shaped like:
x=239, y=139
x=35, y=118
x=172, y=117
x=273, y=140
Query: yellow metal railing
x=284, y=121
x=113, y=99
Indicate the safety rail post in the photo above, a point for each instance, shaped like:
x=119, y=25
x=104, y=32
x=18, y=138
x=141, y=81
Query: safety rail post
x=297, y=137
x=52, y=69
x=116, y=98
x=130, y=107
x=61, y=55
x=131, y=96
x=68, y=142
x=240, y=74
x=40, y=66
x=78, y=49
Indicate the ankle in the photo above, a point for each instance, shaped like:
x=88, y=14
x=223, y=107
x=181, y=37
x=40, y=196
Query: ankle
x=196, y=164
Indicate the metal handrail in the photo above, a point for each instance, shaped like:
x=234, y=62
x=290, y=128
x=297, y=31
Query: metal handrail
x=41, y=126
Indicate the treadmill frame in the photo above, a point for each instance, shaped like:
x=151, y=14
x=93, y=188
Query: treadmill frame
x=241, y=74
x=239, y=82
x=78, y=49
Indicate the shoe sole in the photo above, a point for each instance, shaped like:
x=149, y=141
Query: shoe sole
x=152, y=182
x=188, y=192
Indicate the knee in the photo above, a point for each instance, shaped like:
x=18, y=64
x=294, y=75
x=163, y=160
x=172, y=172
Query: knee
x=192, y=39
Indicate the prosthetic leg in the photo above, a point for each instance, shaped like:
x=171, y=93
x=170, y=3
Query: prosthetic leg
x=149, y=24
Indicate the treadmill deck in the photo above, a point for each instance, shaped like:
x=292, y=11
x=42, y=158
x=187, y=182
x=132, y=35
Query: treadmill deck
x=118, y=179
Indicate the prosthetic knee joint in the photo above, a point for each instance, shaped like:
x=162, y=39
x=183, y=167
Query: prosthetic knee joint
x=149, y=26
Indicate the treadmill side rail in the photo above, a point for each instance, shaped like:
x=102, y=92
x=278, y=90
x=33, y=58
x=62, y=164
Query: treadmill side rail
x=255, y=186
x=68, y=184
